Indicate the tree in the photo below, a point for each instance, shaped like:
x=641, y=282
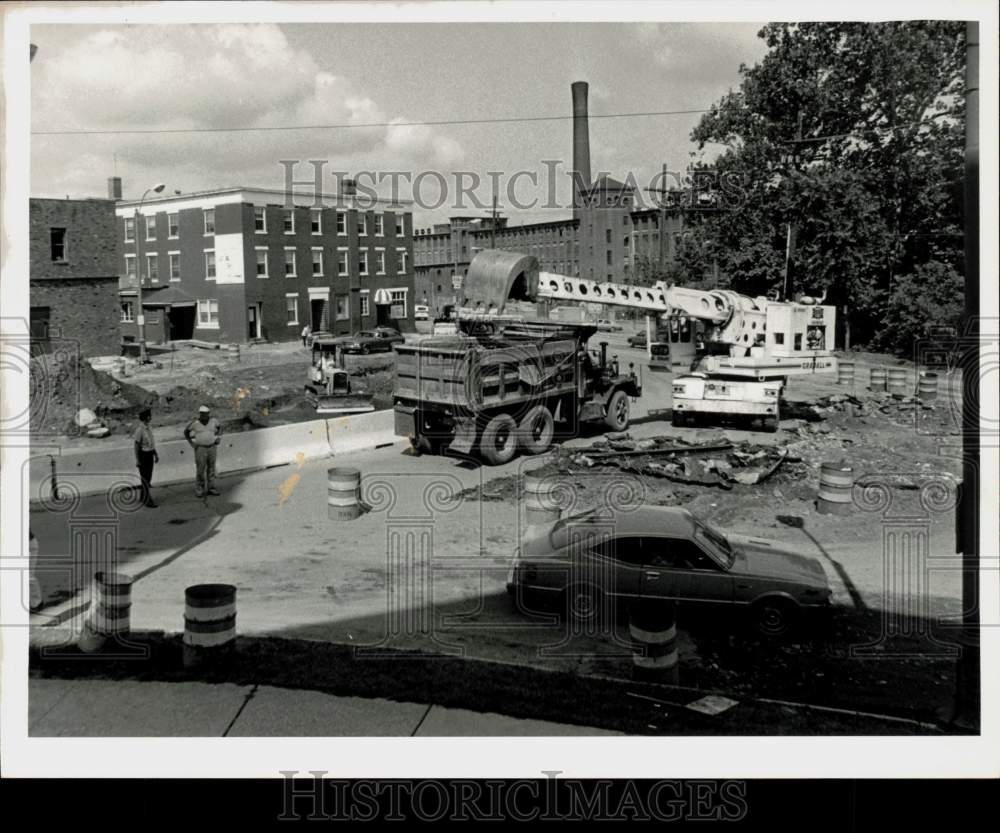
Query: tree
x=923, y=303
x=872, y=116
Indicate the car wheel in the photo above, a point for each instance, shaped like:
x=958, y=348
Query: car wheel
x=582, y=603
x=775, y=617
x=535, y=431
x=498, y=444
x=618, y=412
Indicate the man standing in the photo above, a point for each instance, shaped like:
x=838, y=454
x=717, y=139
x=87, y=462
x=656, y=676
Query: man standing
x=306, y=332
x=204, y=435
x=145, y=455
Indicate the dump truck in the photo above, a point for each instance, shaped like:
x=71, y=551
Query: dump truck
x=500, y=386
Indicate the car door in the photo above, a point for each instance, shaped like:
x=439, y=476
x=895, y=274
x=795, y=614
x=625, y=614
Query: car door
x=617, y=565
x=679, y=569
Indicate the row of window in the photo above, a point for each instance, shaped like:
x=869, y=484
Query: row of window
x=152, y=271
x=260, y=223
x=208, y=309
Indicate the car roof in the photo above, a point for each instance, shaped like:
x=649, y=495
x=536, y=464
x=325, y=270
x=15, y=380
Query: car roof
x=644, y=520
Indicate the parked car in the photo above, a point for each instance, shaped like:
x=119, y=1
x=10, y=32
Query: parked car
x=421, y=312
x=377, y=340
x=606, y=326
x=659, y=552
x=637, y=340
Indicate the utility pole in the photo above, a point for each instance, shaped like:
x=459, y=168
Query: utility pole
x=140, y=316
x=493, y=221
x=663, y=220
x=967, y=700
x=793, y=159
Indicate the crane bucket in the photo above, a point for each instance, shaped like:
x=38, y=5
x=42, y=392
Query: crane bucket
x=496, y=276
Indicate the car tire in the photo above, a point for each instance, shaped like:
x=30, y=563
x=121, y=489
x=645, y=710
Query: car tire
x=617, y=412
x=582, y=604
x=498, y=443
x=535, y=430
x=775, y=617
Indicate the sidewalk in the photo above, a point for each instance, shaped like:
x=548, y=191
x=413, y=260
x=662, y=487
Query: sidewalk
x=126, y=708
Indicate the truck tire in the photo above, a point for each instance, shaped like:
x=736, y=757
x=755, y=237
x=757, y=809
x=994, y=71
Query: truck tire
x=535, y=431
x=617, y=411
x=678, y=419
x=498, y=444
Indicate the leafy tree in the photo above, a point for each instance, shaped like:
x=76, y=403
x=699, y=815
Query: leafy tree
x=922, y=303
x=872, y=188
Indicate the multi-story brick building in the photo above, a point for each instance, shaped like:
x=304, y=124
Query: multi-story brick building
x=74, y=266
x=245, y=264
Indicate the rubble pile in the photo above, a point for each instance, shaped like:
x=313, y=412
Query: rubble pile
x=707, y=460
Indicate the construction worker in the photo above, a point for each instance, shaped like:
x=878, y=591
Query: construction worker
x=204, y=435
x=145, y=455
x=306, y=332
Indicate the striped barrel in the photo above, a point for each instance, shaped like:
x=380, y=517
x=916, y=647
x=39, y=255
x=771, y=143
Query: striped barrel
x=927, y=386
x=209, y=623
x=343, y=489
x=653, y=630
x=897, y=383
x=836, y=481
x=845, y=372
x=877, y=379
x=110, y=611
x=539, y=505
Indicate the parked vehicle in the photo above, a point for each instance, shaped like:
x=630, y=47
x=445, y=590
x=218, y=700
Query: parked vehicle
x=655, y=552
x=421, y=312
x=637, y=340
x=500, y=386
x=606, y=326
x=377, y=340
x=330, y=385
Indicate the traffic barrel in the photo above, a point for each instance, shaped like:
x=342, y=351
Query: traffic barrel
x=540, y=506
x=845, y=372
x=836, y=482
x=209, y=623
x=877, y=379
x=110, y=612
x=343, y=494
x=653, y=630
x=927, y=386
x=897, y=382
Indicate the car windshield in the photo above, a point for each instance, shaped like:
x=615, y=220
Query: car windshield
x=717, y=542
x=366, y=334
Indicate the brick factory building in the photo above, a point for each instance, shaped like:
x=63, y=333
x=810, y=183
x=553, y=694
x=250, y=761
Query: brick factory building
x=74, y=266
x=251, y=264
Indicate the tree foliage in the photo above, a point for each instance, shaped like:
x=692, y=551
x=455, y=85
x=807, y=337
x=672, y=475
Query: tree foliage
x=874, y=188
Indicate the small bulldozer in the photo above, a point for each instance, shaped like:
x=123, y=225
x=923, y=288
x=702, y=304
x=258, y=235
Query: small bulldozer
x=330, y=385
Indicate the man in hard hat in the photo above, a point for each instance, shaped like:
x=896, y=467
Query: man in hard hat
x=204, y=435
x=145, y=455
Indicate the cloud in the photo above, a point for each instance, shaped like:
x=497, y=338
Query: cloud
x=200, y=77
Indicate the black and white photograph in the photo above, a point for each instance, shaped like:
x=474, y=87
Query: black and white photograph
x=601, y=388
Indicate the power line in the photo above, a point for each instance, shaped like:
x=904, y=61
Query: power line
x=442, y=122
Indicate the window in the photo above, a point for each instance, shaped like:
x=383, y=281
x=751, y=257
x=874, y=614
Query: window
x=290, y=266
x=779, y=338
x=259, y=219
x=153, y=268
x=150, y=227
x=208, y=314
x=341, y=223
x=379, y=224
x=316, y=221
x=398, y=299
x=128, y=312
x=363, y=262
x=404, y=257
x=129, y=229
x=210, y=264
x=291, y=309
x=341, y=261
x=362, y=223
x=798, y=342
x=289, y=221
x=175, y=265
x=342, y=307
x=625, y=242
x=209, y=217
x=173, y=224
x=261, y=263
x=365, y=307
x=400, y=225
x=607, y=236
x=380, y=261
x=57, y=244
x=130, y=267
x=317, y=261
x=609, y=257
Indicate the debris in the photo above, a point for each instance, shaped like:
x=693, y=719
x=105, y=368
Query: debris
x=712, y=704
x=85, y=417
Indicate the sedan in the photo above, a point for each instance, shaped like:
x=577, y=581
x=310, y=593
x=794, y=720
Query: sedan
x=588, y=560
x=379, y=340
x=637, y=340
x=606, y=326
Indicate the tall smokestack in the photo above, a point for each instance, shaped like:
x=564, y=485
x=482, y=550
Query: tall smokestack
x=581, y=142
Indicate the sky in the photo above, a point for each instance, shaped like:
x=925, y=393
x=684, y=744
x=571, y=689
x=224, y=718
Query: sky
x=118, y=77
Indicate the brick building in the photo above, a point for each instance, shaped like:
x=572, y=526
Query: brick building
x=247, y=264
x=74, y=265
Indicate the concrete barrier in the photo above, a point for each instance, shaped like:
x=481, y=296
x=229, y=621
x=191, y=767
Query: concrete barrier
x=362, y=432
x=92, y=472
x=275, y=446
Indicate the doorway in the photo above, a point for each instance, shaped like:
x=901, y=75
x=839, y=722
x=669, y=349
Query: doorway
x=180, y=326
x=253, y=321
x=383, y=315
x=319, y=311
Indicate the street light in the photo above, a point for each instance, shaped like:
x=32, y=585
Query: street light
x=158, y=188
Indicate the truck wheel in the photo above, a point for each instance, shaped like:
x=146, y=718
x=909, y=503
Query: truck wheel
x=677, y=419
x=770, y=424
x=534, y=432
x=498, y=444
x=618, y=411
